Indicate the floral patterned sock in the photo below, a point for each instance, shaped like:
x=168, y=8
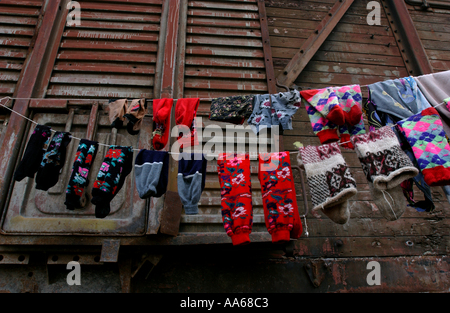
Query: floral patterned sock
x=53, y=161
x=236, y=196
x=86, y=152
x=279, y=198
x=116, y=165
x=36, y=146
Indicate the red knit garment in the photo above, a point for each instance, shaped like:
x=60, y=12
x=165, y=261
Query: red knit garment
x=185, y=113
x=161, y=122
x=236, y=196
x=279, y=197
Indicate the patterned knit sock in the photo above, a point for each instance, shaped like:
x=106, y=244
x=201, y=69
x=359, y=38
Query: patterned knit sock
x=191, y=180
x=426, y=136
x=279, y=198
x=383, y=161
x=329, y=179
x=117, y=109
x=52, y=161
x=116, y=165
x=326, y=102
x=185, y=113
x=151, y=170
x=285, y=105
x=323, y=128
x=236, y=196
x=86, y=152
x=36, y=146
x=161, y=122
x=136, y=111
x=350, y=98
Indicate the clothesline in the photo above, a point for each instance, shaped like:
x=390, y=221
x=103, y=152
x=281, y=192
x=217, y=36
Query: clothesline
x=106, y=145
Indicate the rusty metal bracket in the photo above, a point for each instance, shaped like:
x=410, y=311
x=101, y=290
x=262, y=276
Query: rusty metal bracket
x=316, y=271
x=110, y=250
x=152, y=258
x=14, y=258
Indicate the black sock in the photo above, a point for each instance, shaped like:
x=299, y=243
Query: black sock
x=116, y=165
x=52, y=161
x=32, y=157
x=86, y=152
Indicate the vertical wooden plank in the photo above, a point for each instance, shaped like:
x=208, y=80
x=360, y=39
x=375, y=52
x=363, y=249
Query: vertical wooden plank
x=271, y=83
x=409, y=34
x=12, y=136
x=169, y=218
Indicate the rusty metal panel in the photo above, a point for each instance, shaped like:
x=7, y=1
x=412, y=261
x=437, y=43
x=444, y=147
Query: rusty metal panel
x=18, y=24
x=111, y=54
x=32, y=211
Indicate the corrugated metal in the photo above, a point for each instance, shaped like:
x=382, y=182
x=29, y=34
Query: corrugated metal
x=111, y=54
x=18, y=23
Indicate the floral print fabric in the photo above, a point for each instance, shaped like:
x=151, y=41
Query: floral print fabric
x=231, y=109
x=236, y=196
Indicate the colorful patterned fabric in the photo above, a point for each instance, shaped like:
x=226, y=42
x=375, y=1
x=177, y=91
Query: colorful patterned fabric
x=233, y=109
x=53, y=161
x=85, y=155
x=383, y=161
x=274, y=110
x=116, y=165
x=330, y=181
x=321, y=103
x=426, y=136
x=36, y=146
x=279, y=198
x=236, y=196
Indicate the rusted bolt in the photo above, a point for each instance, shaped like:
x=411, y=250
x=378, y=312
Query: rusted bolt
x=339, y=243
x=21, y=258
x=409, y=243
x=371, y=36
x=54, y=258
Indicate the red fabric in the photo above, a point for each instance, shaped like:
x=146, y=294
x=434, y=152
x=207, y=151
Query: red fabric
x=437, y=176
x=336, y=116
x=279, y=198
x=429, y=111
x=161, y=120
x=353, y=117
x=328, y=135
x=308, y=94
x=185, y=113
x=236, y=196
x=347, y=145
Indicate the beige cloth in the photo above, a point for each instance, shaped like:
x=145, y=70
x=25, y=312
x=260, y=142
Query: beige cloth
x=436, y=87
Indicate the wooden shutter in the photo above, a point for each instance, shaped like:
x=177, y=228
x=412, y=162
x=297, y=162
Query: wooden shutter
x=112, y=54
x=18, y=24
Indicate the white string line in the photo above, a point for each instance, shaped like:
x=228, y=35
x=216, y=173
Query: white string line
x=106, y=145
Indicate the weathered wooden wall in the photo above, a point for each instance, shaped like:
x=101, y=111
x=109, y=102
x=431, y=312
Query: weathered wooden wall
x=221, y=50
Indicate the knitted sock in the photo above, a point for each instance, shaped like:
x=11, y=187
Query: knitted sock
x=383, y=161
x=161, y=121
x=86, y=152
x=234, y=109
x=116, y=165
x=326, y=102
x=117, y=109
x=191, y=180
x=426, y=136
x=236, y=196
x=323, y=128
x=279, y=199
x=34, y=152
x=134, y=114
x=285, y=105
x=151, y=170
x=350, y=98
x=391, y=203
x=329, y=179
x=185, y=112
x=52, y=161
